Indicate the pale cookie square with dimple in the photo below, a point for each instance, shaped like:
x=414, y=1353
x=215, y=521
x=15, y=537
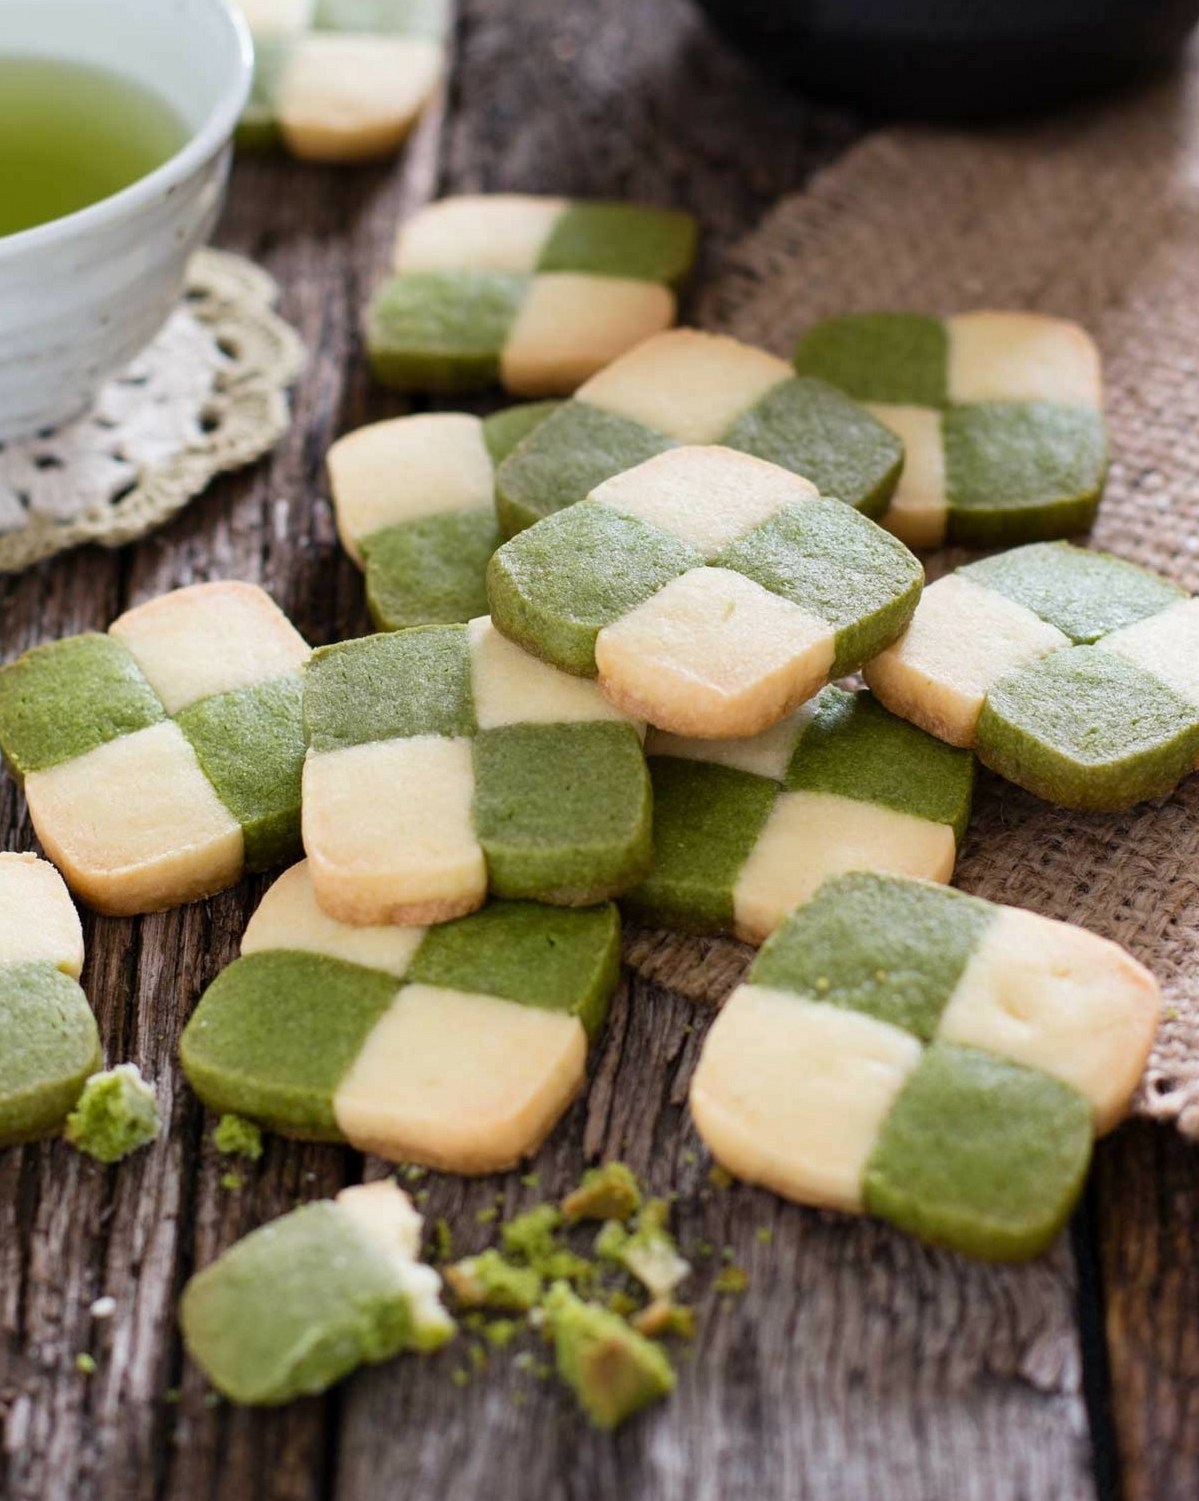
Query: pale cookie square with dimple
x=1070, y=672
x=162, y=759
x=1000, y=414
x=456, y=1046
x=708, y=592
x=904, y=1050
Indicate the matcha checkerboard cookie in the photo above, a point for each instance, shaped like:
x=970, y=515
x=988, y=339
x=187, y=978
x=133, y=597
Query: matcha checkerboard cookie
x=415, y=503
x=746, y=829
x=710, y=592
x=341, y=80
x=444, y=762
x=1001, y=416
x=457, y=1046
x=162, y=759
x=49, y=1044
x=902, y=1049
x=690, y=387
x=302, y=1301
x=1072, y=673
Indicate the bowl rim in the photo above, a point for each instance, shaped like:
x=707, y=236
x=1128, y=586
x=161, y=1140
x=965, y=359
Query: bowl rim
x=200, y=146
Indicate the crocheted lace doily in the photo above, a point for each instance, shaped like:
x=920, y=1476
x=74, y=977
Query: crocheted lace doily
x=206, y=396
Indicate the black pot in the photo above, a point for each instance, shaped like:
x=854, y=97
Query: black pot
x=956, y=59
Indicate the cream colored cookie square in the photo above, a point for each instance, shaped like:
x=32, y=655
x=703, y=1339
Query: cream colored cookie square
x=765, y=755
x=571, y=325
x=511, y=687
x=997, y=356
x=268, y=19
x=348, y=97
x=1165, y=645
x=919, y=509
x=388, y=831
x=690, y=385
x=409, y=467
x=460, y=1082
x=811, y=836
x=708, y=497
x=962, y=640
x=713, y=654
x=288, y=917
x=1055, y=997
x=793, y=1094
x=478, y=232
x=38, y=921
x=135, y=825
x=208, y=639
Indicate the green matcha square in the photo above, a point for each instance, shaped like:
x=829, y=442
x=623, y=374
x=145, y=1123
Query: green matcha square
x=553, y=588
x=1021, y=471
x=1084, y=728
x=442, y=331
x=898, y=358
x=884, y=945
x=826, y=558
x=1085, y=594
x=415, y=18
x=48, y=1046
x=389, y=687
x=275, y=1034
x=981, y=1155
x=622, y=239
x=816, y=431
x=432, y=571
x=504, y=431
x=564, y=459
x=707, y=819
x=854, y=748
x=562, y=811
x=553, y=958
x=62, y=700
x=251, y=745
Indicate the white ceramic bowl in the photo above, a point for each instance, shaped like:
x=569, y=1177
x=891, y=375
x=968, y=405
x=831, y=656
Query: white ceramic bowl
x=80, y=296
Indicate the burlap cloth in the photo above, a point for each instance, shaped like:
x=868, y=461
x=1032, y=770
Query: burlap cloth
x=1096, y=218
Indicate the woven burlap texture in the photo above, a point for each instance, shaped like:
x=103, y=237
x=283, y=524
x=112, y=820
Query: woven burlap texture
x=207, y=395
x=1095, y=218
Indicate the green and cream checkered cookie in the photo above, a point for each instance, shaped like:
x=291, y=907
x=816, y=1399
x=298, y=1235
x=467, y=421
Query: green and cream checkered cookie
x=48, y=1038
x=444, y=762
x=744, y=830
x=689, y=387
x=1072, y=673
x=299, y=1303
x=457, y=1046
x=1001, y=416
x=341, y=80
x=415, y=502
x=163, y=759
x=710, y=592
x=902, y=1049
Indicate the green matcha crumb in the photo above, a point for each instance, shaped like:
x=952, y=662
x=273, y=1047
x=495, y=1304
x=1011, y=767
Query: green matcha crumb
x=235, y=1137
x=1171, y=1014
x=822, y=982
x=727, y=1253
x=487, y=1216
x=689, y=1158
x=664, y=1317
x=622, y=1303
x=764, y=1234
x=881, y=976
x=478, y=1357
x=85, y=1363
x=116, y=1113
x=648, y=1251
x=731, y=1279
x=501, y=1332
x=518, y=1398
x=533, y=1238
x=490, y=1281
x=443, y=1241
x=612, y=1370
x=720, y=1177
x=413, y=1172
x=172, y=1395
x=610, y=1192
x=460, y=1376
x=531, y=1180
x=704, y=1249
x=420, y=1197
x=231, y=1181
x=212, y=1399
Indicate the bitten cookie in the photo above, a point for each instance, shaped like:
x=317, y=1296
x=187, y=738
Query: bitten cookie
x=458, y=1046
x=444, y=763
x=1001, y=416
x=341, y=80
x=905, y=1050
x=744, y=830
x=299, y=1303
x=164, y=758
x=688, y=387
x=415, y=503
x=709, y=592
x=1072, y=673
x=49, y=1044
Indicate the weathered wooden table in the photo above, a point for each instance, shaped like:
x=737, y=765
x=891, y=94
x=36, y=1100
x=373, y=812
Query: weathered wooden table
x=858, y=1366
